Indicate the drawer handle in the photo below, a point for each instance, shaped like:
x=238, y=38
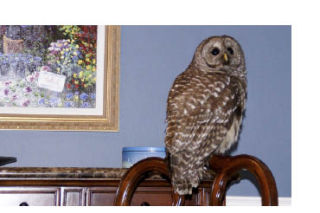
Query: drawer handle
x=144, y=204
x=24, y=204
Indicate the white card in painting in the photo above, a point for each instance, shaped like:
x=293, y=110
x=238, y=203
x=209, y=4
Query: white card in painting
x=51, y=81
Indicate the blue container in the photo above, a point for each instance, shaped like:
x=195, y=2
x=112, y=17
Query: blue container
x=131, y=155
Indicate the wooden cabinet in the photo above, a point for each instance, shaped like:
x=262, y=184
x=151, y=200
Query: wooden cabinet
x=83, y=187
x=90, y=196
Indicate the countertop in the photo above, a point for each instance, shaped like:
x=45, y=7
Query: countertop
x=61, y=172
x=69, y=172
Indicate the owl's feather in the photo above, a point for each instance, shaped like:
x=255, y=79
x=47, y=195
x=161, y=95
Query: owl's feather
x=203, y=116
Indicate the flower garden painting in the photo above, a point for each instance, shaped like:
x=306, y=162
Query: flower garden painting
x=48, y=66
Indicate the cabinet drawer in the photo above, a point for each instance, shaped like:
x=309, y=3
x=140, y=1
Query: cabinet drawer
x=32, y=196
x=101, y=196
x=144, y=196
x=73, y=196
x=158, y=196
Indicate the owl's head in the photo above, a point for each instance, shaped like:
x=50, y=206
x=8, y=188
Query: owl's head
x=220, y=53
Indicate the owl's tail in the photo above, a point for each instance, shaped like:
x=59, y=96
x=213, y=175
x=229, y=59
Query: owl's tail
x=184, y=174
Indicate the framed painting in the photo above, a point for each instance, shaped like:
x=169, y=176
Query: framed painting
x=59, y=77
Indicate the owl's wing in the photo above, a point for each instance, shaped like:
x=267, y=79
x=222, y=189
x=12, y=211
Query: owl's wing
x=201, y=109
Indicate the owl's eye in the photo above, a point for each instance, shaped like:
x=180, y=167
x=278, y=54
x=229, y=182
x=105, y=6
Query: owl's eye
x=215, y=51
x=230, y=50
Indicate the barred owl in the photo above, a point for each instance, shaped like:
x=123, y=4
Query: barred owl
x=204, y=110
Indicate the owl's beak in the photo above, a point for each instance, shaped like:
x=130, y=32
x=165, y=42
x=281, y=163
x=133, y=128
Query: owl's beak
x=225, y=57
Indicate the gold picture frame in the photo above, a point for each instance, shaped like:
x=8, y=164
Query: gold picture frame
x=108, y=120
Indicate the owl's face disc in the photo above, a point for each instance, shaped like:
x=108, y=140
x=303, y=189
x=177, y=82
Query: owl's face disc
x=221, y=53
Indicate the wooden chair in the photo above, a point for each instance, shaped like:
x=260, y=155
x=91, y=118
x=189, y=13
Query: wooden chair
x=226, y=169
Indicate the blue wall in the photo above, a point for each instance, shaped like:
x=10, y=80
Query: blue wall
x=151, y=58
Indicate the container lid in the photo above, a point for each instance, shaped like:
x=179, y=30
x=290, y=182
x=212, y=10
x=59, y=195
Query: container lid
x=143, y=149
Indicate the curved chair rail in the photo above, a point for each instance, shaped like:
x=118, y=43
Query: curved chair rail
x=138, y=172
x=227, y=167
